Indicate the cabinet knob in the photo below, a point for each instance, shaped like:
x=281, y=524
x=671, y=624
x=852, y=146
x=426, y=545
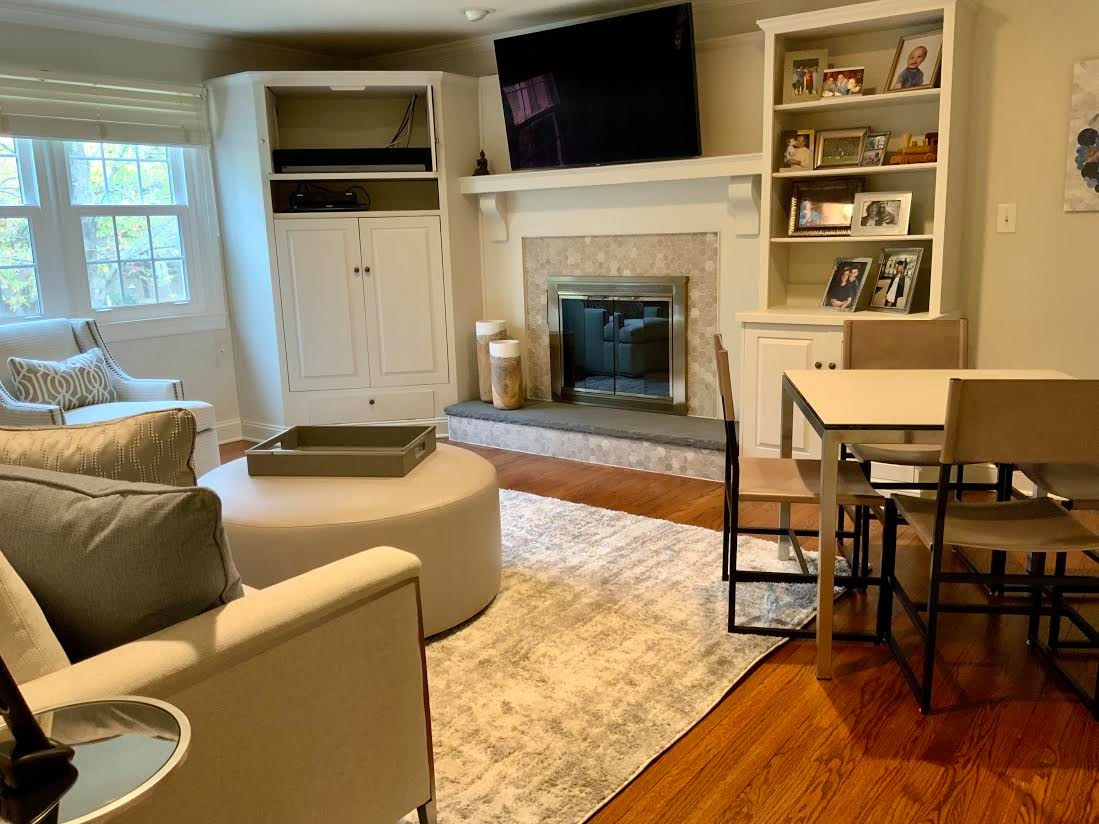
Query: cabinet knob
x=818, y=365
x=831, y=366
x=366, y=269
x=371, y=401
x=356, y=270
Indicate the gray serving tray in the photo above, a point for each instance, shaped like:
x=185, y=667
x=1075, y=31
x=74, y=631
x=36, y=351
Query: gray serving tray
x=343, y=451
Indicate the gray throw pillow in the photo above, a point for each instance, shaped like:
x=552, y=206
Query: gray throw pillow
x=82, y=380
x=113, y=561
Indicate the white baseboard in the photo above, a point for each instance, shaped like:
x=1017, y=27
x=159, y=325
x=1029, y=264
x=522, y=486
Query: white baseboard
x=228, y=431
x=257, y=431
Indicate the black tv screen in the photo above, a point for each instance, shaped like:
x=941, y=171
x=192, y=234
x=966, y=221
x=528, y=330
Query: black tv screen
x=615, y=90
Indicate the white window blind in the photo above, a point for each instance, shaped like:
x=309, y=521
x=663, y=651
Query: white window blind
x=57, y=107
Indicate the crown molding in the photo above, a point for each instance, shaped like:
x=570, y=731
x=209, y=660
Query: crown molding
x=52, y=17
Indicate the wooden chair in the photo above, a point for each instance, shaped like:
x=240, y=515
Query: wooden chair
x=780, y=480
x=1006, y=422
x=1076, y=484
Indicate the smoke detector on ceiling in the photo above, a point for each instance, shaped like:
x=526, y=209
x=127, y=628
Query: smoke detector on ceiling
x=475, y=15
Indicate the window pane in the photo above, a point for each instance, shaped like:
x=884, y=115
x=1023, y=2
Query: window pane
x=19, y=294
x=134, y=260
x=120, y=174
x=99, y=242
x=138, y=284
x=171, y=284
x=105, y=285
x=132, y=232
x=11, y=187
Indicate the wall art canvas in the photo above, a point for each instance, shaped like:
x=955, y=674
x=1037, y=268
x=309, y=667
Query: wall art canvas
x=1082, y=178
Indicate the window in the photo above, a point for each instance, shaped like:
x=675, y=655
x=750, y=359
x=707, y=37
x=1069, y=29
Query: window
x=133, y=256
x=89, y=227
x=19, y=287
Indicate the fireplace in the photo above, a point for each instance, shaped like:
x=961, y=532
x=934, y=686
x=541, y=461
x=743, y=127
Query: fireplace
x=619, y=342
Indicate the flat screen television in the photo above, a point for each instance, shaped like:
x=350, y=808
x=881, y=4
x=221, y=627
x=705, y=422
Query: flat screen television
x=613, y=90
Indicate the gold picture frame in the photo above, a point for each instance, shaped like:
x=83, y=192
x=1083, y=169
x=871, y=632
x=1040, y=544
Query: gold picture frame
x=910, y=42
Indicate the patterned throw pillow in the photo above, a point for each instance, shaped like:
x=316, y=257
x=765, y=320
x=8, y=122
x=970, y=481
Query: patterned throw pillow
x=82, y=380
x=153, y=448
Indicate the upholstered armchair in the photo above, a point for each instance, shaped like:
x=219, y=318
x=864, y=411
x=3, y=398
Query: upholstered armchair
x=62, y=338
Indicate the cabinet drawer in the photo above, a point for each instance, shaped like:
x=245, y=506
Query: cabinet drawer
x=375, y=407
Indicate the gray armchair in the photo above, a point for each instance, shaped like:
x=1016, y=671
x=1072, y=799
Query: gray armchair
x=62, y=338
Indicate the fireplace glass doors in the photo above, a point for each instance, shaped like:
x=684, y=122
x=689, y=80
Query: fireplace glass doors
x=618, y=343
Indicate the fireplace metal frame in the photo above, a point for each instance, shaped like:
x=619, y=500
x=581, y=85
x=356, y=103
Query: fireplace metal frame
x=670, y=288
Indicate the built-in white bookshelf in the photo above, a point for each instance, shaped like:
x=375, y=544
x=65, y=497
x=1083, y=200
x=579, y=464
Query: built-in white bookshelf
x=868, y=35
x=789, y=329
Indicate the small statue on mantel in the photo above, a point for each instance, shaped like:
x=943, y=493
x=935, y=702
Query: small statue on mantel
x=482, y=166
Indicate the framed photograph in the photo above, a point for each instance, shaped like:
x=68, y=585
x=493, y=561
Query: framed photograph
x=849, y=278
x=842, y=82
x=874, y=152
x=916, y=63
x=881, y=213
x=823, y=207
x=840, y=148
x=802, y=76
x=797, y=150
x=897, y=277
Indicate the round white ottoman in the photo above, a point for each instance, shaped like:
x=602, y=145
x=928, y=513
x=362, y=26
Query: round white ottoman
x=446, y=511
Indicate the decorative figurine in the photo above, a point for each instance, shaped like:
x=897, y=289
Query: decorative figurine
x=914, y=152
x=482, y=166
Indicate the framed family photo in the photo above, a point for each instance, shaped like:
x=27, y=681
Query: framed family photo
x=797, y=150
x=840, y=148
x=916, y=63
x=881, y=213
x=874, y=152
x=823, y=207
x=845, y=286
x=803, y=75
x=843, y=82
x=898, y=276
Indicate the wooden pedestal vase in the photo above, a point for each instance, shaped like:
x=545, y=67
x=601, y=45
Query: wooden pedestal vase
x=487, y=331
x=507, y=374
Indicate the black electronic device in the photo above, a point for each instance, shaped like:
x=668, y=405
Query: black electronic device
x=612, y=90
x=327, y=161
x=309, y=197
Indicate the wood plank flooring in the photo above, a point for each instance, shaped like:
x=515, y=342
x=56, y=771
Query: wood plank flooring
x=1009, y=743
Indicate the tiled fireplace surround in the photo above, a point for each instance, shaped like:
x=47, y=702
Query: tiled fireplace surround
x=627, y=256
x=695, y=255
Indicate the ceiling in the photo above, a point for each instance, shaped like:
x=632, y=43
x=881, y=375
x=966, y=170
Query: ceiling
x=343, y=28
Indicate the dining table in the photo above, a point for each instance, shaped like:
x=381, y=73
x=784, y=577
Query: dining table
x=865, y=406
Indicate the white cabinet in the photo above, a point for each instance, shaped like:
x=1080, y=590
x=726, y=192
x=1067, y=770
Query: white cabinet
x=405, y=308
x=769, y=350
x=323, y=306
x=362, y=302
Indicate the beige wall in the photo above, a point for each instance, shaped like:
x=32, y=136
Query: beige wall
x=1032, y=296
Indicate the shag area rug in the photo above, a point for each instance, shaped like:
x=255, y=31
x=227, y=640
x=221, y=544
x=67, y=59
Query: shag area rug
x=606, y=643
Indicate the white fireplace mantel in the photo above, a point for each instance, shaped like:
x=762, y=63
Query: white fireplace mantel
x=743, y=172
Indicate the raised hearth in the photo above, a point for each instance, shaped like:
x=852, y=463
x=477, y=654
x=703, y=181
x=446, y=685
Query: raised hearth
x=671, y=444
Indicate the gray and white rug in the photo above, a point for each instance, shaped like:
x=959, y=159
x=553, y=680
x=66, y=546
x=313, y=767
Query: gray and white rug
x=606, y=643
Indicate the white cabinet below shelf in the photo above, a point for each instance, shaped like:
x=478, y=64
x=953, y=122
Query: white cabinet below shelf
x=768, y=352
x=363, y=303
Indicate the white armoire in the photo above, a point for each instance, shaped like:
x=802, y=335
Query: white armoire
x=360, y=316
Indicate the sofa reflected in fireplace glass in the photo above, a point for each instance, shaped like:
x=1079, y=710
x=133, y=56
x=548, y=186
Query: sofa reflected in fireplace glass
x=617, y=349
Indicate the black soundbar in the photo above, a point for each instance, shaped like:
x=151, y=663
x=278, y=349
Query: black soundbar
x=351, y=160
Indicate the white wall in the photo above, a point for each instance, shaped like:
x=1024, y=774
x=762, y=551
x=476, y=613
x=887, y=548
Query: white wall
x=202, y=360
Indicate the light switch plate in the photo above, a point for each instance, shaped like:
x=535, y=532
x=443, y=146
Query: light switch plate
x=1005, y=218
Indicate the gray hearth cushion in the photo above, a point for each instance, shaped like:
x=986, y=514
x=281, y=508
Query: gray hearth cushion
x=112, y=561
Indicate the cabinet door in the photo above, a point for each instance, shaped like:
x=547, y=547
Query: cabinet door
x=323, y=311
x=405, y=304
x=769, y=353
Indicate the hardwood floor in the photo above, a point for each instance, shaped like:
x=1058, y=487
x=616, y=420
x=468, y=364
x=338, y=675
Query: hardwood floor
x=1008, y=742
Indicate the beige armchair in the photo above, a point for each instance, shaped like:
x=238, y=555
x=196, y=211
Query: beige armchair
x=307, y=700
x=62, y=338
